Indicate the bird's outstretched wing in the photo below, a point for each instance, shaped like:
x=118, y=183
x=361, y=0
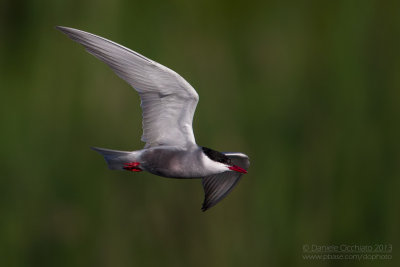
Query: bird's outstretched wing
x=168, y=101
x=216, y=187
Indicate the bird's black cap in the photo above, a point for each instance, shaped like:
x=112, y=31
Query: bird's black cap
x=216, y=156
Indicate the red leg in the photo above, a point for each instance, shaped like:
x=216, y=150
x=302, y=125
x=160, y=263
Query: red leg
x=132, y=166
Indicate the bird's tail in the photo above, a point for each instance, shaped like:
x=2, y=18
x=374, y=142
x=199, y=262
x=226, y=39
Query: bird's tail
x=117, y=159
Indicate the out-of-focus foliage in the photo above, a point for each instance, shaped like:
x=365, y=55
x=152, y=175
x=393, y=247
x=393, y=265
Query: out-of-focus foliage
x=310, y=91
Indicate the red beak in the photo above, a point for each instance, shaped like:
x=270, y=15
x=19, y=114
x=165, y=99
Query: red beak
x=237, y=169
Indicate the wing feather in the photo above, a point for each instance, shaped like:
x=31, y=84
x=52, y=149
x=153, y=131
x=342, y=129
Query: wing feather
x=217, y=187
x=168, y=101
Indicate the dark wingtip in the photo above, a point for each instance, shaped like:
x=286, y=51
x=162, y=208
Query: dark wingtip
x=60, y=28
x=66, y=30
x=204, y=207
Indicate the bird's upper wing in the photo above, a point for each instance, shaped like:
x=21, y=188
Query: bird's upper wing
x=168, y=101
x=218, y=186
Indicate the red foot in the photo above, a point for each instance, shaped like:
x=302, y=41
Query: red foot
x=132, y=166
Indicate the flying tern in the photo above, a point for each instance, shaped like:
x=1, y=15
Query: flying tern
x=168, y=104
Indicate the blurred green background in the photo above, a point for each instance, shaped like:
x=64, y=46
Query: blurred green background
x=309, y=90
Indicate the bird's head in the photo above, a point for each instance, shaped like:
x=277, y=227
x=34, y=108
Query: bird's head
x=223, y=160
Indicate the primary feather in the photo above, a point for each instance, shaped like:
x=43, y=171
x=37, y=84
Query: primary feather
x=168, y=101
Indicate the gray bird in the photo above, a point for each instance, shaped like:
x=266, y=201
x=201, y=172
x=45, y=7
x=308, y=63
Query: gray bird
x=168, y=103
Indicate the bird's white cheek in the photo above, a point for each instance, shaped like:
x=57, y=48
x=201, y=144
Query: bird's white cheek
x=214, y=166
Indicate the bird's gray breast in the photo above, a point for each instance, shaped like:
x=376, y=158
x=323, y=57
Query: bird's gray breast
x=173, y=163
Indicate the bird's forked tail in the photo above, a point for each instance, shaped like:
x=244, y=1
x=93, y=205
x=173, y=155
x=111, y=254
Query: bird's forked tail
x=119, y=160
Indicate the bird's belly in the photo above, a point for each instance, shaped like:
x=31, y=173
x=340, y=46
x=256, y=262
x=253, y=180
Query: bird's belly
x=173, y=169
x=172, y=164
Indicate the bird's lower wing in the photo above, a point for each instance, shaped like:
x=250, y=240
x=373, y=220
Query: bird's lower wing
x=217, y=187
